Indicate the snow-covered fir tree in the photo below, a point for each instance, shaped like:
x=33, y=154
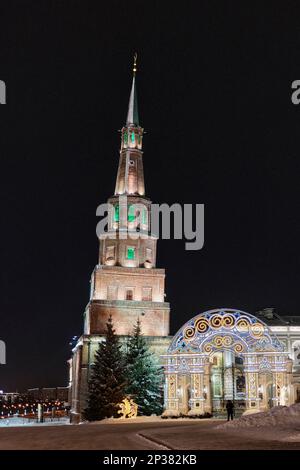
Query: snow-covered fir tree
x=107, y=384
x=144, y=375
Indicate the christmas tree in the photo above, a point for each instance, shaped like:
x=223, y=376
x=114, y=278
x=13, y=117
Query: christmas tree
x=144, y=375
x=107, y=383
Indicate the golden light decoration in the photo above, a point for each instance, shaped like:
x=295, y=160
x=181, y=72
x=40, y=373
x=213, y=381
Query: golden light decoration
x=227, y=340
x=201, y=325
x=242, y=325
x=257, y=330
x=128, y=408
x=218, y=341
x=228, y=321
x=207, y=348
x=189, y=333
x=238, y=347
x=216, y=321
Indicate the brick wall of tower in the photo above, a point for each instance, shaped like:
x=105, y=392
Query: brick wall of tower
x=120, y=248
x=122, y=278
x=155, y=321
x=110, y=286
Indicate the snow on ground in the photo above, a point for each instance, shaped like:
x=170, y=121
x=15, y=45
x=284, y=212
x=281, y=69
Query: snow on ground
x=277, y=416
x=173, y=434
x=139, y=419
x=281, y=422
x=21, y=422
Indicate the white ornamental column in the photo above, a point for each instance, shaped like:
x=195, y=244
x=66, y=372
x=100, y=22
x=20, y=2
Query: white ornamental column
x=252, y=393
x=228, y=375
x=251, y=379
x=207, y=389
x=278, y=387
x=288, y=381
x=171, y=400
x=197, y=399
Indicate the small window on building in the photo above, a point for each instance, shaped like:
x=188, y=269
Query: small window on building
x=130, y=252
x=147, y=294
x=129, y=293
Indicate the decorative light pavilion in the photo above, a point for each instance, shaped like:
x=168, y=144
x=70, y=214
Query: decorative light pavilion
x=256, y=369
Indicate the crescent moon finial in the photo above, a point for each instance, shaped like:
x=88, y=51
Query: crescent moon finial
x=134, y=63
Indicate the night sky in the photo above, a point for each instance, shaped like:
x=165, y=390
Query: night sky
x=214, y=91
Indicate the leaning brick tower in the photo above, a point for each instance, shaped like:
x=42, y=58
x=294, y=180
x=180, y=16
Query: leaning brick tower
x=125, y=283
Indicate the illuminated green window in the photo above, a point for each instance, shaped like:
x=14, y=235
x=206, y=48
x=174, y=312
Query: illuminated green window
x=132, y=137
x=116, y=213
x=125, y=138
x=130, y=252
x=131, y=213
x=144, y=216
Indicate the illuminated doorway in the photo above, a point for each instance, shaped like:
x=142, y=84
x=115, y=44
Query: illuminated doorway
x=227, y=381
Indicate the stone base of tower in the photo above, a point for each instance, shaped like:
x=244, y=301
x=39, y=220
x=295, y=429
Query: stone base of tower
x=82, y=360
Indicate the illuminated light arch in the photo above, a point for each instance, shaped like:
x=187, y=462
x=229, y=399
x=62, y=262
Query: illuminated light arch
x=224, y=329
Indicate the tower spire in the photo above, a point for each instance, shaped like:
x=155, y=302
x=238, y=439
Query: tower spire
x=130, y=178
x=132, y=115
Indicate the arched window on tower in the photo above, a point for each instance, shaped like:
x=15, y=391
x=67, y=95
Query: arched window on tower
x=130, y=252
x=129, y=293
x=116, y=213
x=131, y=213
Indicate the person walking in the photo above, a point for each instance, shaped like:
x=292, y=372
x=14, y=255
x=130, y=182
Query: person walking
x=230, y=409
